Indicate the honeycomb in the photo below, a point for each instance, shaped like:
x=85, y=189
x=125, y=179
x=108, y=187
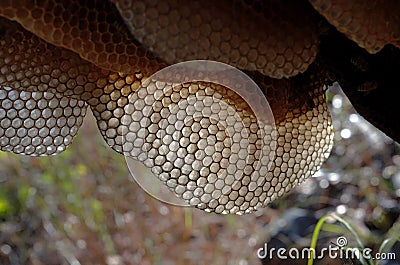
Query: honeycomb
x=349, y=17
x=89, y=28
x=38, y=123
x=230, y=32
x=206, y=141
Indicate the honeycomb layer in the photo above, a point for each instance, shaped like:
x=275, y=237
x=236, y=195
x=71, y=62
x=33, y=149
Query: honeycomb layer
x=371, y=24
x=208, y=152
x=89, y=28
x=276, y=42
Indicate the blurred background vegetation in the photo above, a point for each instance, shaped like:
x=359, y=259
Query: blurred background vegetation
x=82, y=207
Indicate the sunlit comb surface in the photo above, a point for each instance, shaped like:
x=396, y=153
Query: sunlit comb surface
x=202, y=139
